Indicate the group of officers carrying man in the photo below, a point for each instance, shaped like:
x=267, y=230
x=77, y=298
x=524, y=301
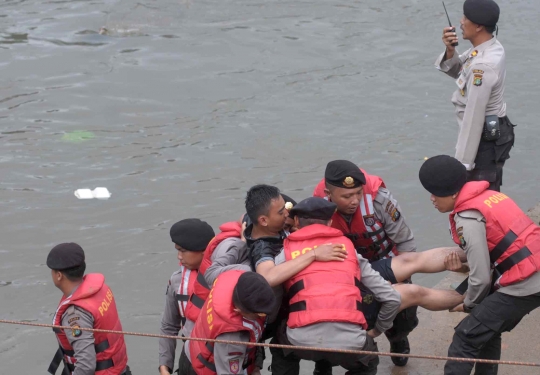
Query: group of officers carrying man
x=334, y=270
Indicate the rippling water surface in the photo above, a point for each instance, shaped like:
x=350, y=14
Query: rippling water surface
x=178, y=107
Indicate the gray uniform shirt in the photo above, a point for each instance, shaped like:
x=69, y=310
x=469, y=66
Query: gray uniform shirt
x=227, y=356
x=480, y=74
x=386, y=209
x=83, y=345
x=349, y=335
x=472, y=226
x=231, y=254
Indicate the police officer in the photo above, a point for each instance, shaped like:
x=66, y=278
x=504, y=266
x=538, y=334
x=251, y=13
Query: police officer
x=495, y=233
x=324, y=299
x=235, y=310
x=87, y=302
x=486, y=135
x=190, y=238
x=371, y=218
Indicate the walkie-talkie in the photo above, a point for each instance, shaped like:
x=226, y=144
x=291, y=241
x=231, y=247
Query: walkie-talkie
x=450, y=24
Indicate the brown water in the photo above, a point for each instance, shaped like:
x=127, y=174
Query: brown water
x=185, y=105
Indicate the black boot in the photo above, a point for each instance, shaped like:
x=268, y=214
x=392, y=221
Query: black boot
x=401, y=346
x=322, y=367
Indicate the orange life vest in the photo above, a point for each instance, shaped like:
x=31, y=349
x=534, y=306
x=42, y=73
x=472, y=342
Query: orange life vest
x=513, y=238
x=365, y=231
x=94, y=296
x=323, y=292
x=218, y=317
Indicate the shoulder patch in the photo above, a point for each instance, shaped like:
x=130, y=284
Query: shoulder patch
x=74, y=319
x=369, y=220
x=234, y=366
x=76, y=331
x=478, y=71
x=395, y=215
x=477, y=81
x=389, y=207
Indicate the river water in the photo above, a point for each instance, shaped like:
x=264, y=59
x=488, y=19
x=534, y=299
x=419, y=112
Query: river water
x=183, y=105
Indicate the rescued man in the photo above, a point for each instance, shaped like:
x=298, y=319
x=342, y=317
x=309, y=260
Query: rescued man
x=235, y=310
x=495, y=234
x=371, y=218
x=87, y=302
x=182, y=307
x=486, y=135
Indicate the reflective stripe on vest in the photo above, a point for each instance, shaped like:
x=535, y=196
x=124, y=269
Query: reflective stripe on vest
x=182, y=295
x=381, y=243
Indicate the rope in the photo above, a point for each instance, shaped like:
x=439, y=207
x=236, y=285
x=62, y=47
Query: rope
x=291, y=347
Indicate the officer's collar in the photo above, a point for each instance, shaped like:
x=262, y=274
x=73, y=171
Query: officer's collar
x=482, y=47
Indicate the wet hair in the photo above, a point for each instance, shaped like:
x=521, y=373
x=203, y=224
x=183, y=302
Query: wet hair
x=258, y=200
x=304, y=222
x=74, y=273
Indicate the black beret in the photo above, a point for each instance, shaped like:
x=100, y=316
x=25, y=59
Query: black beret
x=481, y=12
x=192, y=234
x=254, y=294
x=443, y=175
x=344, y=174
x=314, y=208
x=64, y=256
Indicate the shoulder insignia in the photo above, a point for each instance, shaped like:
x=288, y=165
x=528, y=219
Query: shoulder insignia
x=462, y=241
x=478, y=71
x=462, y=92
x=474, y=53
x=395, y=215
x=74, y=319
x=389, y=207
x=234, y=366
x=477, y=80
x=76, y=331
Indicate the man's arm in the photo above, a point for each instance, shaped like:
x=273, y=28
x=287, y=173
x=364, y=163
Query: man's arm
x=471, y=227
x=228, y=255
x=278, y=274
x=479, y=86
x=229, y=358
x=81, y=341
x=383, y=292
x=170, y=325
x=387, y=210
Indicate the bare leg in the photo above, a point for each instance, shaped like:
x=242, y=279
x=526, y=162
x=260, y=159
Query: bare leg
x=430, y=299
x=429, y=261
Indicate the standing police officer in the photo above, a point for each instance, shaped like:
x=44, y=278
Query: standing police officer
x=486, y=135
x=494, y=233
x=87, y=302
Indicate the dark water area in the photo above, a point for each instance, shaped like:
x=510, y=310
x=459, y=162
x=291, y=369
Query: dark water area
x=181, y=106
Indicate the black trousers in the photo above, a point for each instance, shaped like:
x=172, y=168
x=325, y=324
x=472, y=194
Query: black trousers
x=491, y=156
x=479, y=334
x=184, y=365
